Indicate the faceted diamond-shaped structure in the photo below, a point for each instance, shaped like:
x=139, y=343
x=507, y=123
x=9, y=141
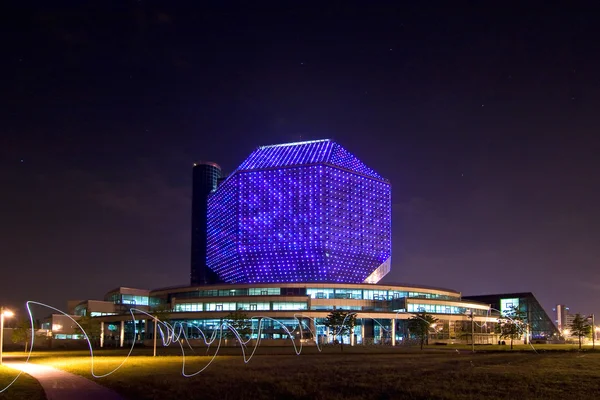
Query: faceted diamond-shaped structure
x=300, y=212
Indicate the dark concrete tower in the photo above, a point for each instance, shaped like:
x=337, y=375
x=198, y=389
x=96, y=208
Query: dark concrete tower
x=205, y=176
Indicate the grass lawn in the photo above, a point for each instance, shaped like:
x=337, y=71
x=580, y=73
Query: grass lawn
x=358, y=373
x=25, y=388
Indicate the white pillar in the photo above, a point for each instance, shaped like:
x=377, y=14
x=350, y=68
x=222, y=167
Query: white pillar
x=1, y=332
x=327, y=335
x=352, y=337
x=362, y=331
x=101, y=334
x=122, y=335
x=393, y=331
x=155, y=334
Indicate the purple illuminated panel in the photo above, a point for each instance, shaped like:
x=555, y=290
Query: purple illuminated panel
x=356, y=224
x=294, y=223
x=305, y=153
x=222, y=231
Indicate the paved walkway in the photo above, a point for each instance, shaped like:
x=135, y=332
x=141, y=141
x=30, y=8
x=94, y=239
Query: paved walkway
x=61, y=385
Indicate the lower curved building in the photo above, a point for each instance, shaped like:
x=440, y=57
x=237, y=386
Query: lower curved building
x=297, y=231
x=381, y=312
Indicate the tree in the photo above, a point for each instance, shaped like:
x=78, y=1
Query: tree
x=512, y=326
x=420, y=324
x=91, y=328
x=22, y=332
x=580, y=327
x=239, y=321
x=340, y=323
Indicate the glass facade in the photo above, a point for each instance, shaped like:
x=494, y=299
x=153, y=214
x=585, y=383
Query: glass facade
x=269, y=329
x=506, y=305
x=285, y=306
x=442, y=309
x=246, y=306
x=314, y=293
x=540, y=324
x=236, y=292
x=305, y=212
x=294, y=305
x=119, y=298
x=360, y=294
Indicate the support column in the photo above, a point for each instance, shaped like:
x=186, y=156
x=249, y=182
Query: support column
x=327, y=336
x=393, y=331
x=122, y=335
x=352, y=337
x=101, y=334
x=362, y=331
x=313, y=329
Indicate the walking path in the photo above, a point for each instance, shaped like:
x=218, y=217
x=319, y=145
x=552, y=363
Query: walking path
x=61, y=385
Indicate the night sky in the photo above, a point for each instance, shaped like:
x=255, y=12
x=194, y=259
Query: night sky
x=486, y=121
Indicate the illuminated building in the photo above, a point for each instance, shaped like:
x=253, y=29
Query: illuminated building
x=205, y=177
x=562, y=316
x=300, y=212
x=296, y=231
x=539, y=323
x=382, y=312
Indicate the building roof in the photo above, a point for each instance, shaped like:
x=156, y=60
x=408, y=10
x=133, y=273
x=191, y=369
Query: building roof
x=323, y=151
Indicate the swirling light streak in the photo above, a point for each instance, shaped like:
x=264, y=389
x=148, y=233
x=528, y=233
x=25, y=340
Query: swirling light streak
x=177, y=333
x=29, y=312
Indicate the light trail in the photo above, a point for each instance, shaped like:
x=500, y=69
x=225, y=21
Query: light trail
x=177, y=333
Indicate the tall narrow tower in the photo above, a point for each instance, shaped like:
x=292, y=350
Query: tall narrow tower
x=205, y=176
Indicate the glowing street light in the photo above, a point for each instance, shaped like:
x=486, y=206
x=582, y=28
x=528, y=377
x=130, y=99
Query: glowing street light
x=3, y=314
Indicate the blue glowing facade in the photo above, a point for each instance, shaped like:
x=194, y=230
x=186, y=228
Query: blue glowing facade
x=300, y=212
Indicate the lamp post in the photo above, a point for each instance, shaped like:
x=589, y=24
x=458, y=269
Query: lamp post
x=7, y=314
x=472, y=331
x=155, y=332
x=593, y=333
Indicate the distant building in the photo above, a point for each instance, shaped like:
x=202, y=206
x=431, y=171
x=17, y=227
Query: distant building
x=562, y=317
x=540, y=324
x=205, y=178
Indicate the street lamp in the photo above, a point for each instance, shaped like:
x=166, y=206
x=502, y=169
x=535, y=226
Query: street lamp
x=3, y=313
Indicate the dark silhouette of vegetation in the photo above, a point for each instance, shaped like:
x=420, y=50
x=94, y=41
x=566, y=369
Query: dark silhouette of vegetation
x=512, y=326
x=420, y=324
x=91, y=328
x=22, y=332
x=340, y=324
x=239, y=321
x=580, y=327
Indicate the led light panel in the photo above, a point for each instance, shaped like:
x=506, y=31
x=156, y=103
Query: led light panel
x=303, y=212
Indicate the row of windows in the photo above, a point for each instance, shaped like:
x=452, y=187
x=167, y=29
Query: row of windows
x=233, y=306
x=442, y=309
x=118, y=298
x=315, y=293
x=298, y=306
x=359, y=294
x=239, y=292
